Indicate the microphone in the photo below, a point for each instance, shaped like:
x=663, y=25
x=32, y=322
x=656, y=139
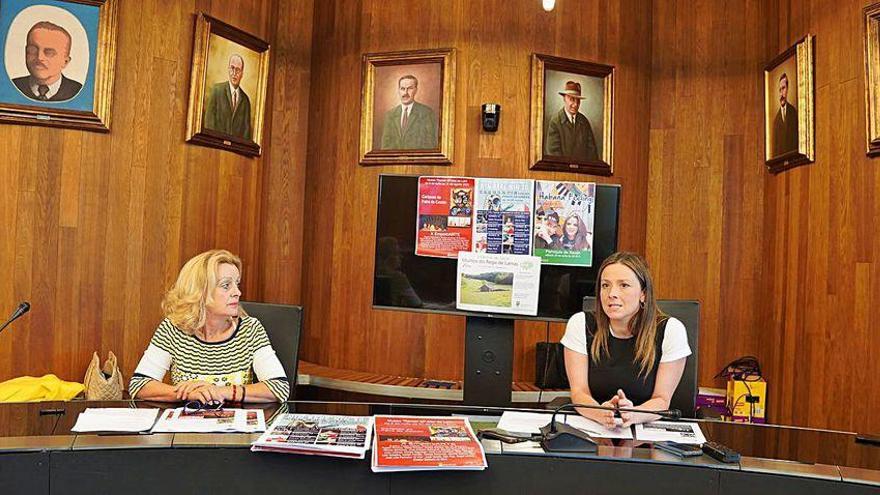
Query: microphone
x=22, y=309
x=560, y=437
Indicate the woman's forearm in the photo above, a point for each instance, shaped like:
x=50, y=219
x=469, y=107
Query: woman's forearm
x=158, y=391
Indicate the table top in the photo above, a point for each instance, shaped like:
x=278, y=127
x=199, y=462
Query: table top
x=793, y=451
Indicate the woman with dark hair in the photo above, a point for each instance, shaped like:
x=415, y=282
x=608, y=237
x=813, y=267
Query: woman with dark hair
x=574, y=234
x=626, y=353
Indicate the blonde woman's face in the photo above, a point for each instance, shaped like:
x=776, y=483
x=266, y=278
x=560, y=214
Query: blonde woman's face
x=224, y=297
x=620, y=292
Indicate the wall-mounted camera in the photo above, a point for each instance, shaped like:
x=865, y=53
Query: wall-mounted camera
x=491, y=116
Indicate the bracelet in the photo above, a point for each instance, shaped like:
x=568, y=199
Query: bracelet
x=243, y=392
x=234, y=393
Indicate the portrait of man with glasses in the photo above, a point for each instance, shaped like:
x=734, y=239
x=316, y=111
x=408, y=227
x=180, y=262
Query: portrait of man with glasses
x=229, y=109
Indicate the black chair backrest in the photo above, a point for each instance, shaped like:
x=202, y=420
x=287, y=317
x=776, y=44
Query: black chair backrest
x=283, y=324
x=688, y=312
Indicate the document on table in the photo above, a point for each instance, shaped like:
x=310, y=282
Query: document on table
x=525, y=423
x=116, y=419
x=211, y=421
x=670, y=431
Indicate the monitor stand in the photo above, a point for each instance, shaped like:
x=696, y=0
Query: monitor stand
x=488, y=361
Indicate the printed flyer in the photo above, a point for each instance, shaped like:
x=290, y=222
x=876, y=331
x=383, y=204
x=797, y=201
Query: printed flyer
x=444, y=216
x=425, y=443
x=498, y=283
x=564, y=213
x=503, y=220
x=317, y=434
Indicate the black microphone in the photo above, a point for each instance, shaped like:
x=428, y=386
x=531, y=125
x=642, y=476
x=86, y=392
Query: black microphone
x=22, y=309
x=560, y=437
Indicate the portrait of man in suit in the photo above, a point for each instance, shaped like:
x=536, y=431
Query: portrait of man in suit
x=785, y=123
x=410, y=125
x=569, y=133
x=47, y=54
x=229, y=108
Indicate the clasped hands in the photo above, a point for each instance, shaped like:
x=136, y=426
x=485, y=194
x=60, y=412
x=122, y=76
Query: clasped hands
x=201, y=391
x=608, y=419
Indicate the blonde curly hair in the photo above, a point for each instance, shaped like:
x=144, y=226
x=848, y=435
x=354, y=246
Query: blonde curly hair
x=185, y=302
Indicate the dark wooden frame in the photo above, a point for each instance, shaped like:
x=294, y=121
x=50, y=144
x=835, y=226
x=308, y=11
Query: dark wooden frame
x=539, y=161
x=806, y=152
x=195, y=131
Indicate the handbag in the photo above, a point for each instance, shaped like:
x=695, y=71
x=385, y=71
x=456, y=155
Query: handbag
x=550, y=366
x=103, y=382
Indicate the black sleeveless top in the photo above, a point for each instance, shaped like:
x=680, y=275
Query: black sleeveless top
x=619, y=369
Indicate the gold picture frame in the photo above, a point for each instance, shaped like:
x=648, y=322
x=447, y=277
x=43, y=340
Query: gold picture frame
x=872, y=78
x=227, y=105
x=562, y=135
x=419, y=83
x=790, y=142
x=81, y=93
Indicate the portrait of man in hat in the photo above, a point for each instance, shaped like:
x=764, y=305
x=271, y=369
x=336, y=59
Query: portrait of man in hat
x=569, y=133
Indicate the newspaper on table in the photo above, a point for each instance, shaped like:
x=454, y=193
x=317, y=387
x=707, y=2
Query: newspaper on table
x=498, y=283
x=670, y=431
x=317, y=434
x=425, y=443
x=180, y=420
x=115, y=419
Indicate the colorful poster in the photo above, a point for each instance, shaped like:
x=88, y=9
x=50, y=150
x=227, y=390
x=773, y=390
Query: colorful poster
x=424, y=443
x=445, y=216
x=564, y=222
x=498, y=283
x=503, y=220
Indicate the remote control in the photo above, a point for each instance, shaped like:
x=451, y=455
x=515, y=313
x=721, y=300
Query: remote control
x=720, y=452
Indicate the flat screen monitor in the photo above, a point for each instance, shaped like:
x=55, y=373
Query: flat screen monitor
x=404, y=281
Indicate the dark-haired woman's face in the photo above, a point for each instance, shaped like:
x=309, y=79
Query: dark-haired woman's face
x=571, y=227
x=620, y=292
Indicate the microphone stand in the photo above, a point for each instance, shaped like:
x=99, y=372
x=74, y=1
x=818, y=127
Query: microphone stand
x=22, y=309
x=561, y=437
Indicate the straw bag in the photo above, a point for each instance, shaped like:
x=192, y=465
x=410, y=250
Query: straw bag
x=103, y=383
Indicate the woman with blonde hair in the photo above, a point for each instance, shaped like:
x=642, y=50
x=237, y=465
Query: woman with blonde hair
x=214, y=350
x=626, y=353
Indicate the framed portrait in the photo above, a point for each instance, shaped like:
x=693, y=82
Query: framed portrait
x=227, y=98
x=872, y=77
x=789, y=122
x=58, y=59
x=407, y=102
x=571, y=116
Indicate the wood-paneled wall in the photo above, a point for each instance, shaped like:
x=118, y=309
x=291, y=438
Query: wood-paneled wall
x=783, y=264
x=821, y=243
x=97, y=225
x=494, y=40
x=705, y=198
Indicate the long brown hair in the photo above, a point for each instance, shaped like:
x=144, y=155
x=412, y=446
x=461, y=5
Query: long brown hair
x=643, y=324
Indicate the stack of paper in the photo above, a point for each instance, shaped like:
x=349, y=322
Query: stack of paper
x=335, y=436
x=525, y=423
x=211, y=421
x=423, y=443
x=115, y=419
x=670, y=431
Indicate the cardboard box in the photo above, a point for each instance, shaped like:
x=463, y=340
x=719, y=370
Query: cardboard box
x=747, y=400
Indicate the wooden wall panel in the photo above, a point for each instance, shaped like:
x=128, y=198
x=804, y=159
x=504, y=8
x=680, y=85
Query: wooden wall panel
x=783, y=264
x=821, y=239
x=705, y=204
x=97, y=225
x=494, y=40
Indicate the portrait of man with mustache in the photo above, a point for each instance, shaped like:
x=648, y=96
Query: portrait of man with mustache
x=785, y=124
x=47, y=54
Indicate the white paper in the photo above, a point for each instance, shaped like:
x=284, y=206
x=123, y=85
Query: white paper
x=119, y=419
x=208, y=421
x=497, y=283
x=596, y=430
x=524, y=423
x=670, y=431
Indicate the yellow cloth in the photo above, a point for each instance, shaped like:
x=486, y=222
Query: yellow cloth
x=32, y=389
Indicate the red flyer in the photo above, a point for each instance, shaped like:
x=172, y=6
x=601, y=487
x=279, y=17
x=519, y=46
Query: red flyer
x=424, y=443
x=444, y=216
